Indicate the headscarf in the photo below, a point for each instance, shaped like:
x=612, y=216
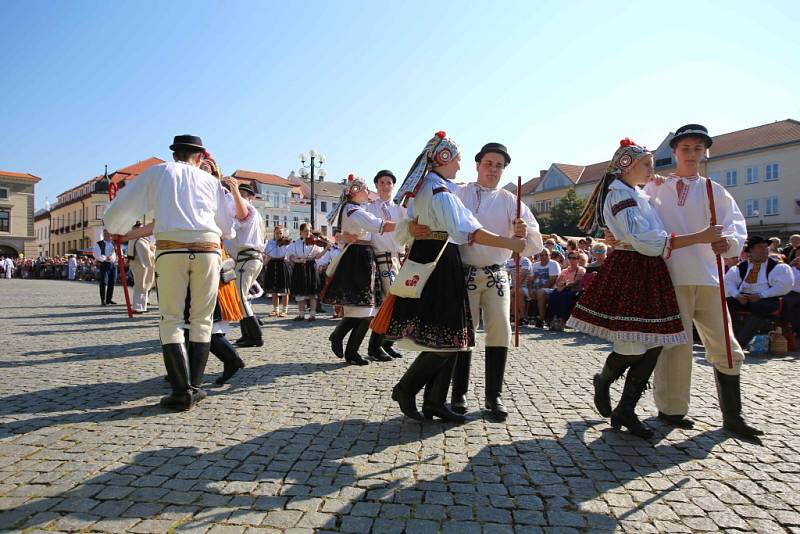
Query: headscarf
x=209, y=164
x=353, y=186
x=438, y=151
x=623, y=161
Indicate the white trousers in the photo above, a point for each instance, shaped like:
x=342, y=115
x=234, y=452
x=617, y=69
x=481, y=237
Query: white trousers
x=177, y=273
x=246, y=273
x=143, y=279
x=672, y=381
x=489, y=291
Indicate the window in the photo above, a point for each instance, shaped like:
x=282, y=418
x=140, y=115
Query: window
x=730, y=178
x=99, y=210
x=324, y=230
x=3, y=193
x=5, y=220
x=752, y=175
x=771, y=206
x=285, y=221
x=266, y=220
x=751, y=208
x=770, y=172
x=323, y=207
x=276, y=200
x=715, y=177
x=277, y=220
x=296, y=223
x=285, y=200
x=664, y=161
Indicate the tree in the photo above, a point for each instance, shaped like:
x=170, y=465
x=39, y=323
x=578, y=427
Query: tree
x=564, y=216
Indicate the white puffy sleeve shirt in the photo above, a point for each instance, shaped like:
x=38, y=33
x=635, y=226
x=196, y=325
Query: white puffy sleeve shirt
x=443, y=211
x=779, y=283
x=360, y=222
x=633, y=221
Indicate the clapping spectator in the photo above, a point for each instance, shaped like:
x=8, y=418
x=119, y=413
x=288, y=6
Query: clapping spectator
x=544, y=273
x=563, y=299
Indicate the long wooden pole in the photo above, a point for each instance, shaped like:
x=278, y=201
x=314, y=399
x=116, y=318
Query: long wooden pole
x=112, y=192
x=720, y=273
x=517, y=280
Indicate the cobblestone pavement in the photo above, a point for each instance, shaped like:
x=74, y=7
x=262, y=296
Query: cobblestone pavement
x=299, y=442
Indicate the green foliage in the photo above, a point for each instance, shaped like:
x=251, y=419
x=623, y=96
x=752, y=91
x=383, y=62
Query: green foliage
x=564, y=216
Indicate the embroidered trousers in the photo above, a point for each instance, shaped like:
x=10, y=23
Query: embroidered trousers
x=247, y=270
x=489, y=297
x=672, y=380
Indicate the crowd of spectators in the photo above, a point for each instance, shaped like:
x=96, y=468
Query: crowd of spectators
x=68, y=267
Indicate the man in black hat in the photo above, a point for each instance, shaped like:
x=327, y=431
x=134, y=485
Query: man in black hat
x=487, y=281
x=246, y=249
x=756, y=286
x=192, y=212
x=388, y=253
x=681, y=201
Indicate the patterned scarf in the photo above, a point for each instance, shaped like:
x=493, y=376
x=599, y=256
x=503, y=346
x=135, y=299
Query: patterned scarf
x=438, y=151
x=623, y=161
x=354, y=185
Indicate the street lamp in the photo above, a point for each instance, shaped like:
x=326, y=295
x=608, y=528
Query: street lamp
x=314, y=160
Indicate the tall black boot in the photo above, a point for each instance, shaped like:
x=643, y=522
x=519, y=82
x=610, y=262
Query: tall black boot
x=177, y=363
x=387, y=347
x=613, y=369
x=729, y=391
x=458, y=397
x=346, y=324
x=421, y=370
x=436, y=389
x=496, y=358
x=102, y=294
x=226, y=353
x=635, y=384
x=198, y=358
x=357, y=335
x=244, y=326
x=375, y=350
x=254, y=337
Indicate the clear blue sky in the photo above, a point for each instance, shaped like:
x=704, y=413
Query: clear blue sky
x=88, y=83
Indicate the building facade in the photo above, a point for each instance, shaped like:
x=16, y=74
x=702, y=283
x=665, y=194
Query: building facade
x=273, y=197
x=41, y=231
x=16, y=214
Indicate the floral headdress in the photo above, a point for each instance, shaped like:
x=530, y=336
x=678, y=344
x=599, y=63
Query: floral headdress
x=353, y=186
x=438, y=151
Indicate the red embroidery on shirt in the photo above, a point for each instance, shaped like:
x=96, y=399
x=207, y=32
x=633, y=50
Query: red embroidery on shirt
x=619, y=206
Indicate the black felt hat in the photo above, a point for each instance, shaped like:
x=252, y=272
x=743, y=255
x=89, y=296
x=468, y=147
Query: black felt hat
x=187, y=143
x=244, y=188
x=754, y=240
x=384, y=172
x=497, y=148
x=691, y=130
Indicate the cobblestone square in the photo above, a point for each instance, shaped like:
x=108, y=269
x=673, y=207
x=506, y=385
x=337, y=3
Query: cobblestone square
x=300, y=442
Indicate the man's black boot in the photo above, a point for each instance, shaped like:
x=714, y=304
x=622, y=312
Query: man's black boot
x=458, y=397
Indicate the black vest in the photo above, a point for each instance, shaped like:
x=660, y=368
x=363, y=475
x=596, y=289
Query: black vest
x=743, y=266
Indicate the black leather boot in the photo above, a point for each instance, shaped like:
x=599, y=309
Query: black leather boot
x=421, y=370
x=252, y=333
x=435, y=396
x=496, y=358
x=613, y=369
x=635, y=384
x=226, y=353
x=198, y=358
x=177, y=363
x=357, y=335
x=729, y=391
x=245, y=328
x=336, y=338
x=458, y=397
x=387, y=347
x=375, y=350
x=102, y=294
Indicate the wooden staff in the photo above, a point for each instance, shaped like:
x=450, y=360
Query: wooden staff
x=112, y=192
x=516, y=268
x=713, y=209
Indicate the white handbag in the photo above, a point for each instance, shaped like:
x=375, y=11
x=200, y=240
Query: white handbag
x=412, y=277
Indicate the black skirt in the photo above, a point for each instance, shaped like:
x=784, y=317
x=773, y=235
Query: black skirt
x=440, y=318
x=355, y=279
x=305, y=279
x=276, y=276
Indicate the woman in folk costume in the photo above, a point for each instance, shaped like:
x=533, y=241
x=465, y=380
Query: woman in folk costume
x=277, y=277
x=303, y=254
x=354, y=281
x=438, y=323
x=631, y=301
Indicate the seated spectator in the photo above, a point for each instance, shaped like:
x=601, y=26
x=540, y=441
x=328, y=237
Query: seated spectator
x=599, y=253
x=544, y=273
x=559, y=258
x=524, y=274
x=564, y=296
x=774, y=245
x=583, y=259
x=792, y=251
x=756, y=286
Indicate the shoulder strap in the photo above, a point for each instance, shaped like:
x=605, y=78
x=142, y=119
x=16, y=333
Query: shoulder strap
x=742, y=270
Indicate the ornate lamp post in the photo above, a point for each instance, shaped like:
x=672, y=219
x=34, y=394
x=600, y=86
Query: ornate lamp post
x=314, y=160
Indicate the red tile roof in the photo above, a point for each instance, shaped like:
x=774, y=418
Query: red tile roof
x=261, y=177
x=766, y=135
x=593, y=173
x=138, y=168
x=573, y=172
x=27, y=177
x=530, y=186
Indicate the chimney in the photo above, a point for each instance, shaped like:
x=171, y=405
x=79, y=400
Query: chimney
x=321, y=179
x=542, y=173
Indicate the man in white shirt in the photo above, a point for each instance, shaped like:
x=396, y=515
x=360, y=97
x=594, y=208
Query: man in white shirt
x=388, y=249
x=682, y=204
x=72, y=267
x=487, y=281
x=246, y=249
x=192, y=212
x=756, y=286
x=106, y=259
x=544, y=274
x=141, y=260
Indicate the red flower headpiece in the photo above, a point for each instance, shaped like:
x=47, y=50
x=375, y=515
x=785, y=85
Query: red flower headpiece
x=350, y=177
x=626, y=142
x=441, y=134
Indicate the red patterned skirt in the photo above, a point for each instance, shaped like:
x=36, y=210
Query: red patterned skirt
x=631, y=299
